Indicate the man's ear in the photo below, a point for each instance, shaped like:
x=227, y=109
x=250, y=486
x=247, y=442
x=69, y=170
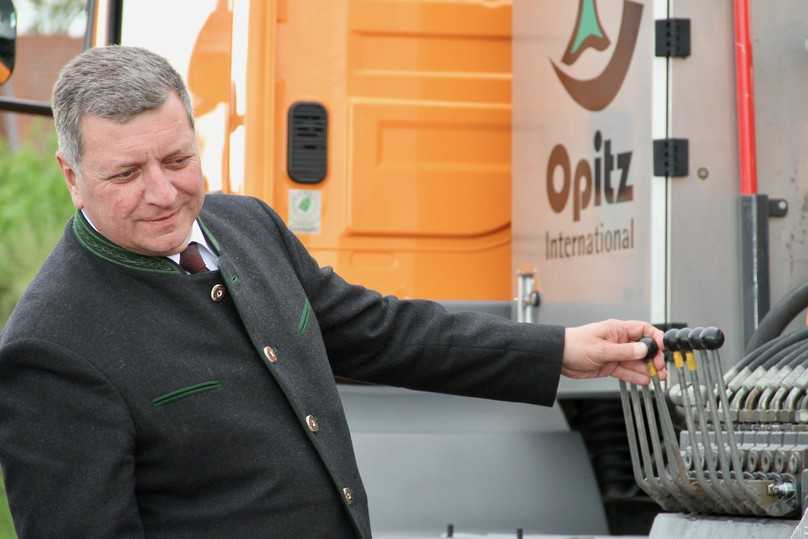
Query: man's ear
x=71, y=179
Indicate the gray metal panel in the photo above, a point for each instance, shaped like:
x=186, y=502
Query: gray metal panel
x=602, y=285
x=496, y=308
x=597, y=387
x=428, y=460
x=392, y=409
x=591, y=286
x=675, y=526
x=417, y=483
x=781, y=76
x=703, y=110
x=704, y=216
x=703, y=284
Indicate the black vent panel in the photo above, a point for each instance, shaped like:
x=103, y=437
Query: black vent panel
x=307, y=154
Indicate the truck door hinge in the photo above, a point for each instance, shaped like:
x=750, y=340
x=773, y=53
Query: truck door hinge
x=671, y=157
x=672, y=38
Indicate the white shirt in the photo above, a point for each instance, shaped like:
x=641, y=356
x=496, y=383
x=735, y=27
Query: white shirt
x=210, y=259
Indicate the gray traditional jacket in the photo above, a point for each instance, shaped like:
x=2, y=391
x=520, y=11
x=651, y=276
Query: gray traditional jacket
x=139, y=401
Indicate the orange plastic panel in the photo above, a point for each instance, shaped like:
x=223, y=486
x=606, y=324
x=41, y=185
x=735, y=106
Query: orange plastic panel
x=416, y=201
x=200, y=49
x=429, y=170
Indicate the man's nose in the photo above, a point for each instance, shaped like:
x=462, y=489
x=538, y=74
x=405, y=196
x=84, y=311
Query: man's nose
x=158, y=188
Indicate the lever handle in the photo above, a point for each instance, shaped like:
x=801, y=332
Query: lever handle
x=713, y=338
x=671, y=340
x=652, y=346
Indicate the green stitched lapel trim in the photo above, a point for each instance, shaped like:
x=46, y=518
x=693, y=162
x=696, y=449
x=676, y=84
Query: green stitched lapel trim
x=183, y=392
x=209, y=236
x=101, y=247
x=305, y=317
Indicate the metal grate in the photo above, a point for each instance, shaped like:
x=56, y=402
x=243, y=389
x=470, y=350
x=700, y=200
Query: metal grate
x=307, y=152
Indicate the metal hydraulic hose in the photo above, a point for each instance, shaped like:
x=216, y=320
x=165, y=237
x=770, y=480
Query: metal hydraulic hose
x=779, y=317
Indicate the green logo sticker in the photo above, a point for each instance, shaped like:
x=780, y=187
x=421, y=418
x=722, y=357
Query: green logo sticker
x=305, y=209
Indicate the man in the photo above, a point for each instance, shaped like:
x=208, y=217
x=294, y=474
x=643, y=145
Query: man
x=170, y=371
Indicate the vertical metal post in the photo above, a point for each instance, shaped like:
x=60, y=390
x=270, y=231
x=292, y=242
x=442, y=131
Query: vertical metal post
x=527, y=299
x=754, y=261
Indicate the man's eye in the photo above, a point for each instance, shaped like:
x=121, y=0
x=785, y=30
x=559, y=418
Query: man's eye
x=179, y=161
x=125, y=175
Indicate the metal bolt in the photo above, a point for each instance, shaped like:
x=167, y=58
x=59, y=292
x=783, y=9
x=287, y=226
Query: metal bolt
x=703, y=173
x=766, y=459
x=794, y=463
x=779, y=461
x=781, y=490
x=752, y=461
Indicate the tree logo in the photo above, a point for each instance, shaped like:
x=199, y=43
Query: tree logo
x=595, y=94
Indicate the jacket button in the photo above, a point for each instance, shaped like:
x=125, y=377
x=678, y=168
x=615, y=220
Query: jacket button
x=270, y=354
x=217, y=293
x=347, y=493
x=312, y=423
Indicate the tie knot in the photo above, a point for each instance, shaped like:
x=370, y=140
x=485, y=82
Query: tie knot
x=190, y=259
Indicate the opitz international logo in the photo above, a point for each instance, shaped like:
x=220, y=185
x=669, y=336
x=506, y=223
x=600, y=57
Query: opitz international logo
x=596, y=94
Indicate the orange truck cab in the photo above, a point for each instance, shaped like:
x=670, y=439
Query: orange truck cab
x=379, y=130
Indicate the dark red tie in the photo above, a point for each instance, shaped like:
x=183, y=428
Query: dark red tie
x=191, y=260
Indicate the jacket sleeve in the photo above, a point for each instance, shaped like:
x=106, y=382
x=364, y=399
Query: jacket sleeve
x=419, y=345
x=66, y=447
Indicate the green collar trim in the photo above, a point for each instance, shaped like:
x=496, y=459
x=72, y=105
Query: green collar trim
x=101, y=247
x=209, y=236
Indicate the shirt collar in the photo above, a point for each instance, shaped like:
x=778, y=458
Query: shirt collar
x=196, y=235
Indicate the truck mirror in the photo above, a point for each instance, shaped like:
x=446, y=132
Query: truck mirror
x=8, y=39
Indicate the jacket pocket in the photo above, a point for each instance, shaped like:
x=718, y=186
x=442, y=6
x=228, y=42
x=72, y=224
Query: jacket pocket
x=181, y=393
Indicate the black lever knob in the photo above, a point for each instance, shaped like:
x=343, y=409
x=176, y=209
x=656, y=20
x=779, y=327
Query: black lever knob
x=713, y=338
x=671, y=340
x=652, y=346
x=683, y=339
x=696, y=342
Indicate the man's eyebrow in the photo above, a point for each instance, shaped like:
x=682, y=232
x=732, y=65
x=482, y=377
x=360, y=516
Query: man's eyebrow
x=179, y=151
x=115, y=168
x=123, y=165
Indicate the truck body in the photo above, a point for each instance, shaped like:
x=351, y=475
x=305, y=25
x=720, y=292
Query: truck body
x=398, y=170
x=439, y=149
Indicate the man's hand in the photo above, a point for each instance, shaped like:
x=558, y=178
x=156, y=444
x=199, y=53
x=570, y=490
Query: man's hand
x=609, y=348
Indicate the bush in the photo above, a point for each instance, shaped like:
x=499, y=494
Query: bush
x=34, y=206
x=6, y=527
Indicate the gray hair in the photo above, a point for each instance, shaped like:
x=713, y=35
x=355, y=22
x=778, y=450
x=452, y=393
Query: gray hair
x=116, y=83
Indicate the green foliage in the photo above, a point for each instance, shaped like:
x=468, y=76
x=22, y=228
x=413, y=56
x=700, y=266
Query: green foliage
x=34, y=206
x=54, y=16
x=6, y=526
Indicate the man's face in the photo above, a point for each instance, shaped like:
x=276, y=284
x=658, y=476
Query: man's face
x=140, y=182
